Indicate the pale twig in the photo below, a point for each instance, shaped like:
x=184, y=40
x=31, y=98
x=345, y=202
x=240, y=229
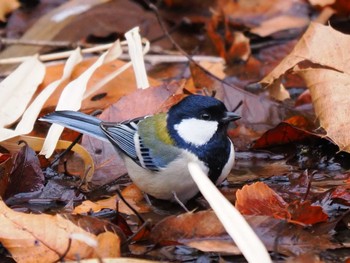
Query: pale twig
x=56, y=56
x=33, y=42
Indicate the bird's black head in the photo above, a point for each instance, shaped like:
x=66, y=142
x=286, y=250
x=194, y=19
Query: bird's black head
x=196, y=119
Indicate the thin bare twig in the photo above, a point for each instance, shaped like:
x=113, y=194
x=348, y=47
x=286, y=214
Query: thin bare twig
x=31, y=42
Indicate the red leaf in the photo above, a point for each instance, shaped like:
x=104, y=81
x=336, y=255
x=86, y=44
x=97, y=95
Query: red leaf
x=305, y=213
x=291, y=130
x=259, y=199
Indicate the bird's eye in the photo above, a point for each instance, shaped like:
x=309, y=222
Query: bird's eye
x=205, y=116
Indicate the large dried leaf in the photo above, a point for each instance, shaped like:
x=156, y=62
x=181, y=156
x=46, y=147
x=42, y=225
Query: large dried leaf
x=320, y=45
x=42, y=238
x=329, y=91
x=322, y=59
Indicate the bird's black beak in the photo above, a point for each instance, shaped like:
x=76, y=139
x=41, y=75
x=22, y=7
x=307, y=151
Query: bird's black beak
x=230, y=116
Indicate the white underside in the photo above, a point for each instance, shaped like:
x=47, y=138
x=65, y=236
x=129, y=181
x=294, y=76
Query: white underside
x=175, y=179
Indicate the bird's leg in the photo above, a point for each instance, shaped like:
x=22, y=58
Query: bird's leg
x=180, y=202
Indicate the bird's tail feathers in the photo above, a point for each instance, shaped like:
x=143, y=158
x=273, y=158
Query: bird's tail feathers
x=77, y=121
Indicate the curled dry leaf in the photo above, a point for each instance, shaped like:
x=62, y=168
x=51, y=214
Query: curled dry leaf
x=321, y=59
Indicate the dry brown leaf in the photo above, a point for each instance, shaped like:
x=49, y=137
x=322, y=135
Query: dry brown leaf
x=322, y=59
x=131, y=194
x=204, y=231
x=41, y=238
x=36, y=144
x=6, y=7
x=276, y=24
x=48, y=27
x=108, y=245
x=329, y=91
x=266, y=17
x=322, y=2
x=320, y=45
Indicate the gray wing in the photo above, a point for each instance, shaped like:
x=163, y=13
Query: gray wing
x=125, y=137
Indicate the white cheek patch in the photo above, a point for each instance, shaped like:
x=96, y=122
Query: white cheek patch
x=196, y=132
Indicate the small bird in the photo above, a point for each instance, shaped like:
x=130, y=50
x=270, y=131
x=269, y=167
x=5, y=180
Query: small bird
x=156, y=149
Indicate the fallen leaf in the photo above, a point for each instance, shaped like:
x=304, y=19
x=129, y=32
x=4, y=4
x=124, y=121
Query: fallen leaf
x=36, y=144
x=280, y=23
x=5, y=169
x=131, y=194
x=319, y=59
x=259, y=16
x=306, y=213
x=342, y=192
x=47, y=28
x=26, y=174
x=230, y=44
x=322, y=2
x=204, y=231
x=304, y=98
x=108, y=245
x=329, y=89
x=29, y=237
x=6, y=7
x=294, y=129
x=259, y=199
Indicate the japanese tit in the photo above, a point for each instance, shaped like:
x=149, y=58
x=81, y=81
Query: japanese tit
x=156, y=149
